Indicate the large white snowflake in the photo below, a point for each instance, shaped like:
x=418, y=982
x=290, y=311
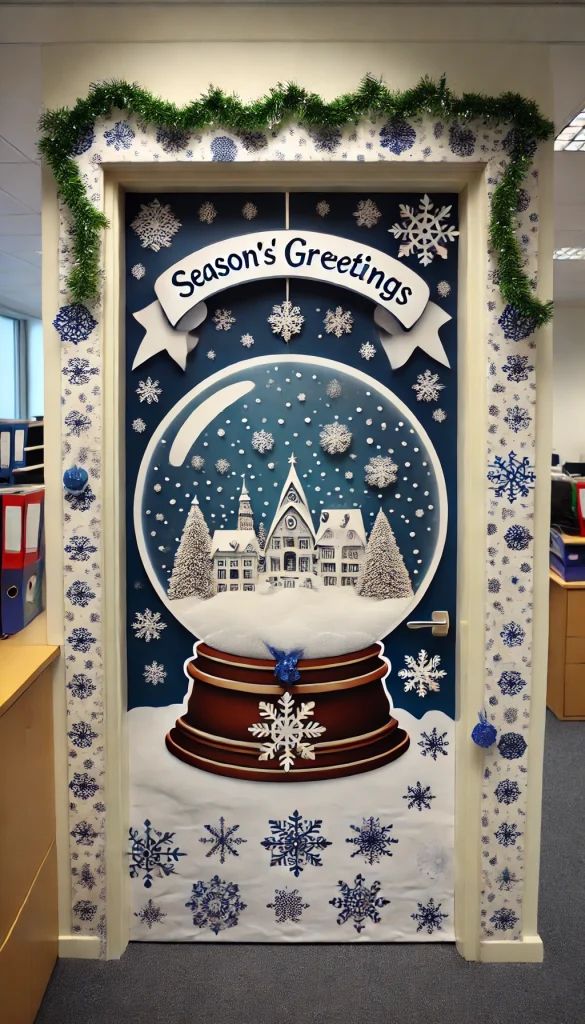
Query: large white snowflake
x=223, y=319
x=286, y=320
x=335, y=438
x=148, y=390
x=338, y=321
x=423, y=231
x=367, y=214
x=380, y=471
x=287, y=730
x=422, y=675
x=427, y=387
x=154, y=673
x=262, y=441
x=155, y=225
x=207, y=213
x=147, y=625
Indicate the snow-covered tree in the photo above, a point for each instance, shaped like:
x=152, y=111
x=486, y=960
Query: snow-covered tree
x=383, y=574
x=262, y=536
x=191, y=575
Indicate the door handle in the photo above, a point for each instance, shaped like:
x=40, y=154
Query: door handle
x=438, y=624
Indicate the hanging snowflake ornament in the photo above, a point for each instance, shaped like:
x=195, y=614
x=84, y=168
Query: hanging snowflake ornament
x=287, y=730
x=262, y=441
x=207, y=213
x=423, y=231
x=338, y=321
x=423, y=674
x=367, y=351
x=427, y=387
x=286, y=320
x=223, y=319
x=367, y=214
x=148, y=625
x=155, y=225
x=335, y=438
x=380, y=471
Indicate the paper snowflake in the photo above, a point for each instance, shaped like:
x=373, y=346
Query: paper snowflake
x=424, y=231
x=286, y=320
x=207, y=213
x=338, y=321
x=433, y=743
x=296, y=843
x=287, y=906
x=439, y=415
x=322, y=208
x=511, y=477
x=154, y=673
x=372, y=840
x=380, y=471
x=152, y=852
x=423, y=674
x=429, y=917
x=222, y=840
x=148, y=390
x=215, y=904
x=287, y=730
x=427, y=387
x=359, y=903
x=517, y=418
x=418, y=796
x=198, y=462
x=155, y=225
x=367, y=214
x=222, y=466
x=335, y=438
x=138, y=271
x=247, y=340
x=211, y=354
x=262, y=441
x=74, y=323
x=249, y=211
x=444, y=289
x=223, y=319
x=367, y=350
x=147, y=625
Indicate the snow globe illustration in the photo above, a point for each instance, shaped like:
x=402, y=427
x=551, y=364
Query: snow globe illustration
x=290, y=512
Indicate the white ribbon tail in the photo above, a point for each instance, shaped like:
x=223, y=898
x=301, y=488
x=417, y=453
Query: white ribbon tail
x=162, y=337
x=399, y=344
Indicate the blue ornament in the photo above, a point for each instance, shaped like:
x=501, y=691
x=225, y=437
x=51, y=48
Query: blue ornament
x=484, y=733
x=285, y=669
x=75, y=480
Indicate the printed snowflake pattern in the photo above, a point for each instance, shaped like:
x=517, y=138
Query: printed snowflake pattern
x=223, y=840
x=517, y=368
x=207, y=213
x=249, y=211
x=517, y=537
x=216, y=904
x=120, y=136
x=512, y=745
x=380, y=471
x=80, y=593
x=286, y=320
x=424, y=232
x=397, y=135
x=367, y=214
x=512, y=634
x=516, y=325
x=433, y=743
x=461, y=140
x=427, y=387
x=262, y=441
x=423, y=674
x=148, y=391
x=152, y=853
x=511, y=477
x=359, y=903
x=223, y=149
x=334, y=389
x=83, y=786
x=367, y=351
x=517, y=418
x=338, y=321
x=287, y=905
x=335, y=438
x=211, y=353
x=322, y=208
x=74, y=323
x=79, y=371
x=247, y=340
x=507, y=834
x=77, y=422
x=81, y=686
x=138, y=425
x=511, y=683
x=439, y=415
x=80, y=548
x=222, y=466
x=288, y=731
x=507, y=791
x=80, y=639
x=154, y=673
x=372, y=840
x=443, y=289
x=326, y=138
x=84, y=834
x=429, y=917
x=223, y=319
x=155, y=225
x=172, y=140
x=504, y=919
x=296, y=843
x=506, y=880
x=418, y=796
x=147, y=625
x=150, y=914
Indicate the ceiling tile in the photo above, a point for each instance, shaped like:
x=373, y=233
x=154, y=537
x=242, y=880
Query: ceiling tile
x=9, y=205
x=23, y=182
x=26, y=246
x=29, y=224
x=8, y=154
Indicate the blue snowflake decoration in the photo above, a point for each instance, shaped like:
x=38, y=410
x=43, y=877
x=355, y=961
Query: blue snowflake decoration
x=516, y=325
x=82, y=735
x=517, y=537
x=512, y=745
x=507, y=834
x=506, y=880
x=83, y=786
x=511, y=477
x=172, y=140
x=120, y=136
x=418, y=796
x=215, y=904
x=287, y=905
x=326, y=139
x=84, y=834
x=511, y=683
x=77, y=423
x=150, y=914
x=397, y=135
x=461, y=140
x=79, y=371
x=429, y=917
x=253, y=141
x=517, y=418
x=504, y=919
x=85, y=141
x=81, y=639
x=81, y=686
x=80, y=548
x=223, y=840
x=359, y=903
x=517, y=368
x=80, y=501
x=85, y=910
x=507, y=791
x=512, y=634
x=223, y=149
x=80, y=594
x=295, y=843
x=372, y=840
x=152, y=852
x=433, y=743
x=74, y=323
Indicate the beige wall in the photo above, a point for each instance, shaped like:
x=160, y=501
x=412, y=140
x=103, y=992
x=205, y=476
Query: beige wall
x=569, y=383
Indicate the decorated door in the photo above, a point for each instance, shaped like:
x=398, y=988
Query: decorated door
x=291, y=440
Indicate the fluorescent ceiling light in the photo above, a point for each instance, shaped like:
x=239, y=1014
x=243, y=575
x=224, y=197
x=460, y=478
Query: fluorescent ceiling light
x=572, y=137
x=569, y=252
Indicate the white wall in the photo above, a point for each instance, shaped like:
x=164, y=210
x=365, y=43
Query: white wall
x=569, y=382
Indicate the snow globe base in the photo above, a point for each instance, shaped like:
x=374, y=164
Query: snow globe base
x=242, y=722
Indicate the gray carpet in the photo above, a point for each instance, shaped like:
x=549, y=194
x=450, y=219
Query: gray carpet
x=181, y=984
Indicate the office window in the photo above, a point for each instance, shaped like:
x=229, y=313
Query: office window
x=10, y=362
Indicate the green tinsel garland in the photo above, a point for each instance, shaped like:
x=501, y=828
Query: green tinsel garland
x=63, y=129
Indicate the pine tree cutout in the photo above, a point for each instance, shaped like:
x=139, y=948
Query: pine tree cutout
x=383, y=574
x=191, y=575
x=262, y=536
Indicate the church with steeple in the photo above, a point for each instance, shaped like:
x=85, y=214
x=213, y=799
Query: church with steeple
x=235, y=553
x=290, y=541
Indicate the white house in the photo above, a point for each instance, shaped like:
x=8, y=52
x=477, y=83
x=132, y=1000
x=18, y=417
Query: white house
x=235, y=553
x=340, y=546
x=290, y=542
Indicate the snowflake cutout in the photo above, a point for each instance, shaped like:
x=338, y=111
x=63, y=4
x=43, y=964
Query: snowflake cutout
x=424, y=232
x=367, y=351
x=427, y=387
x=439, y=415
x=335, y=438
x=222, y=466
x=367, y=214
x=262, y=441
x=380, y=471
x=147, y=625
x=207, y=213
x=322, y=208
x=422, y=675
x=223, y=319
x=148, y=391
x=152, y=853
x=150, y=914
x=359, y=903
x=211, y=353
x=443, y=289
x=154, y=673
x=295, y=843
x=418, y=796
x=338, y=321
x=222, y=839
x=198, y=463
x=429, y=917
x=372, y=839
x=249, y=211
x=511, y=477
x=432, y=744
x=155, y=225
x=215, y=904
x=138, y=271
x=74, y=323
x=287, y=906
x=247, y=340
x=287, y=730
x=138, y=425
x=286, y=320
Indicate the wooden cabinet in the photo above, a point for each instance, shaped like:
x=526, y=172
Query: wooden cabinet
x=566, y=649
x=28, y=868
